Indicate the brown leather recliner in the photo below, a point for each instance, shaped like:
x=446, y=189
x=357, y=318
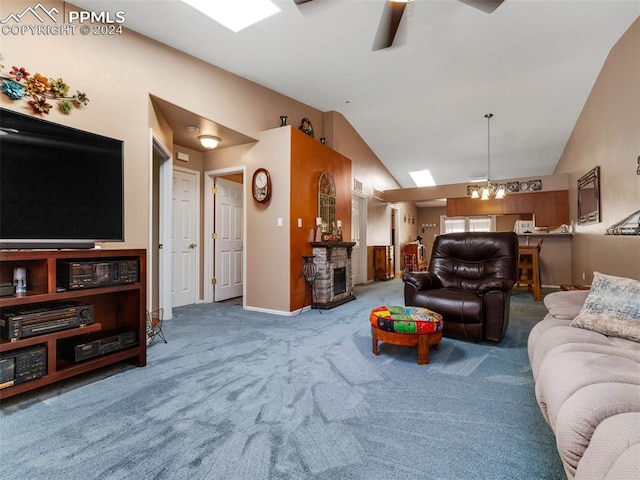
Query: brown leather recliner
x=469, y=283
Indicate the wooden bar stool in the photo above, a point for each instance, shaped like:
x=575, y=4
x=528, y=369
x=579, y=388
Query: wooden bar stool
x=529, y=268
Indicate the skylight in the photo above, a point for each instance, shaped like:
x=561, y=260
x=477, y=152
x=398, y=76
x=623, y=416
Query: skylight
x=423, y=178
x=233, y=14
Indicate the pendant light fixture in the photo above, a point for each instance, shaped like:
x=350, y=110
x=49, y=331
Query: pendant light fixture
x=489, y=190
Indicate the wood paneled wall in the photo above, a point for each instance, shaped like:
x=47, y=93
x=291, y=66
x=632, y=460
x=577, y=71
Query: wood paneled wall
x=309, y=158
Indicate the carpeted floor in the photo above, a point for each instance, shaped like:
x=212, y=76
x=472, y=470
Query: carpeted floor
x=248, y=396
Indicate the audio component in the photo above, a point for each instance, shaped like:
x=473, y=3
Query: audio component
x=84, y=347
x=99, y=273
x=30, y=320
x=19, y=366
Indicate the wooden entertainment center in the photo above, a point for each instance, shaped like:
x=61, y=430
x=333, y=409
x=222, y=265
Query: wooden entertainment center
x=115, y=307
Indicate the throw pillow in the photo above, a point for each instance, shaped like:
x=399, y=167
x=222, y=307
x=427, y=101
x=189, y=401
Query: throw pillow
x=612, y=307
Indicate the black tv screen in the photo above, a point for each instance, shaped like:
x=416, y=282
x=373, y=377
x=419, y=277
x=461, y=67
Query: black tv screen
x=59, y=187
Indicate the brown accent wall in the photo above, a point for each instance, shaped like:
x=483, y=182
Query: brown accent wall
x=309, y=158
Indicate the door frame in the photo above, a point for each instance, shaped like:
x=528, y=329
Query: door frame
x=165, y=270
x=209, y=230
x=198, y=221
x=363, y=206
x=395, y=241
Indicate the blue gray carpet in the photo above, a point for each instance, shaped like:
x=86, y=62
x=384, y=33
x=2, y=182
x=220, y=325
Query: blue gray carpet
x=248, y=396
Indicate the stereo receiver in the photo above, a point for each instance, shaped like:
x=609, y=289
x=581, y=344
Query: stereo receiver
x=19, y=366
x=30, y=320
x=99, y=273
x=84, y=347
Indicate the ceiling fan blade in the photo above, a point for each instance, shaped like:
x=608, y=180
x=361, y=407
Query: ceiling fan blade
x=300, y=2
x=388, y=26
x=487, y=6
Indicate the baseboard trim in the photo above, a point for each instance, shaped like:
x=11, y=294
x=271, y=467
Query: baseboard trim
x=277, y=312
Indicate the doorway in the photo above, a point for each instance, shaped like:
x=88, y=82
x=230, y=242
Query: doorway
x=224, y=242
x=229, y=239
x=394, y=239
x=159, y=259
x=359, y=236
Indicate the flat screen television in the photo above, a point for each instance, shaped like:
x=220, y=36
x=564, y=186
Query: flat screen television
x=60, y=187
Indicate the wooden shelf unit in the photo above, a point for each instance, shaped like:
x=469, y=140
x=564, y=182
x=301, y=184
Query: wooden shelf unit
x=114, y=307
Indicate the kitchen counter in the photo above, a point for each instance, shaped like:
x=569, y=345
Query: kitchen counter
x=555, y=256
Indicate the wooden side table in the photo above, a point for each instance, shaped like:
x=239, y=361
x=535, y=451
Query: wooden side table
x=407, y=327
x=422, y=340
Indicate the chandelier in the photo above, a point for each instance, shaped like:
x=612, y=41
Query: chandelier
x=484, y=192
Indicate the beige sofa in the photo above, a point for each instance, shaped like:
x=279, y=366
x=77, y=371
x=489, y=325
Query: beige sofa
x=588, y=388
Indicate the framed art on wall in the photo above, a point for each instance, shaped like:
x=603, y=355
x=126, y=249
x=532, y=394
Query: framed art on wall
x=589, y=197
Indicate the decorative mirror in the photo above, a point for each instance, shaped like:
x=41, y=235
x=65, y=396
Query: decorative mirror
x=327, y=202
x=589, y=197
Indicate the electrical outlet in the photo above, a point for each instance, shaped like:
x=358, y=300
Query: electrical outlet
x=584, y=276
x=299, y=223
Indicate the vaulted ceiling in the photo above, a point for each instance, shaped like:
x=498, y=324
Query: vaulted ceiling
x=419, y=104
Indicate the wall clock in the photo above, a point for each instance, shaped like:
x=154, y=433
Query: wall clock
x=261, y=185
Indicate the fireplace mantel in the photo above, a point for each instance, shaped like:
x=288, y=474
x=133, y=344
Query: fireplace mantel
x=332, y=245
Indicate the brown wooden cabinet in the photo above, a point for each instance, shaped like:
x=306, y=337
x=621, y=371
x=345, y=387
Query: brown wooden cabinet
x=115, y=307
x=383, y=262
x=551, y=209
x=464, y=206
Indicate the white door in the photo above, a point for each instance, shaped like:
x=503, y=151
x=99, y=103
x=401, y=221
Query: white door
x=185, y=238
x=228, y=240
x=356, y=229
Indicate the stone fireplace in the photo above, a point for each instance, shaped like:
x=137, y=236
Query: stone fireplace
x=333, y=285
